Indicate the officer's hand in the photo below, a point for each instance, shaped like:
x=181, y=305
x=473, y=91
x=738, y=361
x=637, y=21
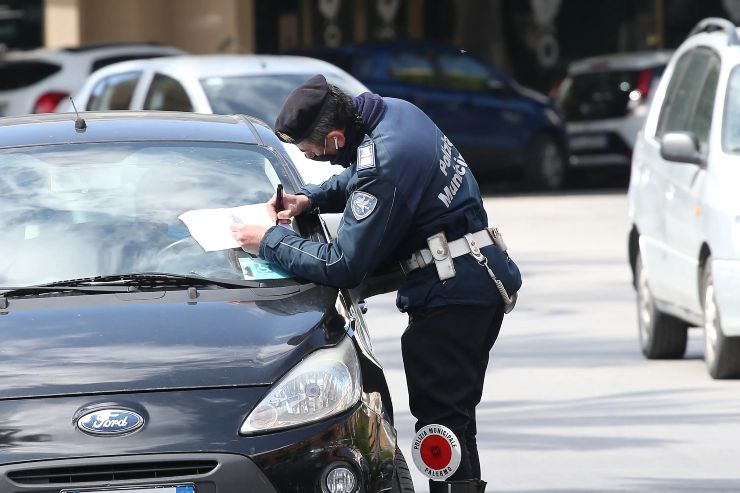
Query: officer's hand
x=248, y=236
x=293, y=205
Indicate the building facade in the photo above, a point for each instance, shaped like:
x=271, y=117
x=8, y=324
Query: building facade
x=533, y=40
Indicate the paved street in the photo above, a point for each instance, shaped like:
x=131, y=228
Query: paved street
x=570, y=404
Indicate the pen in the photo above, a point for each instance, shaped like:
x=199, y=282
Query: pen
x=278, y=201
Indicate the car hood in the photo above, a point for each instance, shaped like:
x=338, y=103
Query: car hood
x=108, y=343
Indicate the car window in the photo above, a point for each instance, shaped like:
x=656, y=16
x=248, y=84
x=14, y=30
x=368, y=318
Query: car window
x=167, y=94
x=412, y=67
x=370, y=66
x=81, y=210
x=701, y=119
x=731, y=128
x=262, y=96
x=23, y=73
x=683, y=91
x=462, y=72
x=114, y=92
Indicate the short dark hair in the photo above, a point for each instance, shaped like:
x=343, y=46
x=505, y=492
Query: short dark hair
x=338, y=113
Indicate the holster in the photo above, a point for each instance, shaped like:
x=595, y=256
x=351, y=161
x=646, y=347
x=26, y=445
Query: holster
x=441, y=254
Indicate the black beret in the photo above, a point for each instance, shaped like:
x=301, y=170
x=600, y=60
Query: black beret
x=302, y=109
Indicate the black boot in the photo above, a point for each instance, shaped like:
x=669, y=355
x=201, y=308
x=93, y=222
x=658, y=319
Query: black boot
x=464, y=486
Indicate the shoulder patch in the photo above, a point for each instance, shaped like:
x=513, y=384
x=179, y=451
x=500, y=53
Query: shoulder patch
x=363, y=204
x=366, y=156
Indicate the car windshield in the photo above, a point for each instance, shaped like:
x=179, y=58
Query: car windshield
x=263, y=95
x=84, y=210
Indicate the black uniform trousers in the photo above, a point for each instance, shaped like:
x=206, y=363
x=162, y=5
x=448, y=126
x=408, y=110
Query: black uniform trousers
x=445, y=356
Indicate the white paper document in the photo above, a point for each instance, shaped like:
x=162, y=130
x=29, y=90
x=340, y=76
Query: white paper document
x=211, y=228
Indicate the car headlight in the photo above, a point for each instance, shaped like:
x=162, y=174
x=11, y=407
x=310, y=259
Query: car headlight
x=326, y=383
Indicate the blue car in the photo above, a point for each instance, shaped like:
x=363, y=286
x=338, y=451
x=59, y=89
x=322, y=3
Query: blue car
x=498, y=125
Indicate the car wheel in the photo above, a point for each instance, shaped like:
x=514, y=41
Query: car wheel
x=402, y=482
x=546, y=167
x=661, y=335
x=721, y=353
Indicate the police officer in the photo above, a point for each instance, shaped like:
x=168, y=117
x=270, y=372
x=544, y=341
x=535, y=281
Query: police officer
x=407, y=195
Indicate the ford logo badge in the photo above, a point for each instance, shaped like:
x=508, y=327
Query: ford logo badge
x=110, y=422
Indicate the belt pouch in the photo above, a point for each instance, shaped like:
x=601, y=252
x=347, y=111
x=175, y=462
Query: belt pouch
x=441, y=254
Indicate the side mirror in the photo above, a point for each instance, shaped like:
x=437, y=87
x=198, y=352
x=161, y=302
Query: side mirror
x=330, y=222
x=681, y=147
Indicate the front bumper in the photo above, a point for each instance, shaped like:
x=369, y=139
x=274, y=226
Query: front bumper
x=187, y=442
x=209, y=473
x=726, y=276
x=604, y=143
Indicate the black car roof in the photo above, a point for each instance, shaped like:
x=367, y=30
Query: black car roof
x=132, y=126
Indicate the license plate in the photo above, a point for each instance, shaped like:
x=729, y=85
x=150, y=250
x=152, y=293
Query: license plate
x=140, y=489
x=588, y=142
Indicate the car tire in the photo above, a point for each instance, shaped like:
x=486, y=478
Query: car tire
x=721, y=353
x=662, y=336
x=546, y=168
x=402, y=482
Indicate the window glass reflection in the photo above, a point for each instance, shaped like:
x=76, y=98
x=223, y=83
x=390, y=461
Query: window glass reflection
x=77, y=211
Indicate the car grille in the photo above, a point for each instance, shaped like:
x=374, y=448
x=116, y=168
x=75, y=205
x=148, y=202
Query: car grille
x=113, y=472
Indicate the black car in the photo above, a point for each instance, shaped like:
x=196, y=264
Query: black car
x=497, y=124
x=132, y=360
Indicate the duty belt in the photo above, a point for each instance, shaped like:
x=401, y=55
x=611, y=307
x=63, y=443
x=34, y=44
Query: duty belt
x=457, y=248
x=441, y=252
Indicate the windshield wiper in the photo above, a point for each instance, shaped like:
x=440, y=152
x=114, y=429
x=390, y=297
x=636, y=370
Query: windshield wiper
x=159, y=279
x=11, y=291
x=123, y=283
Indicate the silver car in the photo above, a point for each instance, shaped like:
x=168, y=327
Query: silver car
x=684, y=245
x=253, y=85
x=605, y=100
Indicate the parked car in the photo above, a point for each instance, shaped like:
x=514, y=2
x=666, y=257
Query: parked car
x=37, y=81
x=253, y=85
x=605, y=100
x=684, y=245
x=134, y=361
x=497, y=124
